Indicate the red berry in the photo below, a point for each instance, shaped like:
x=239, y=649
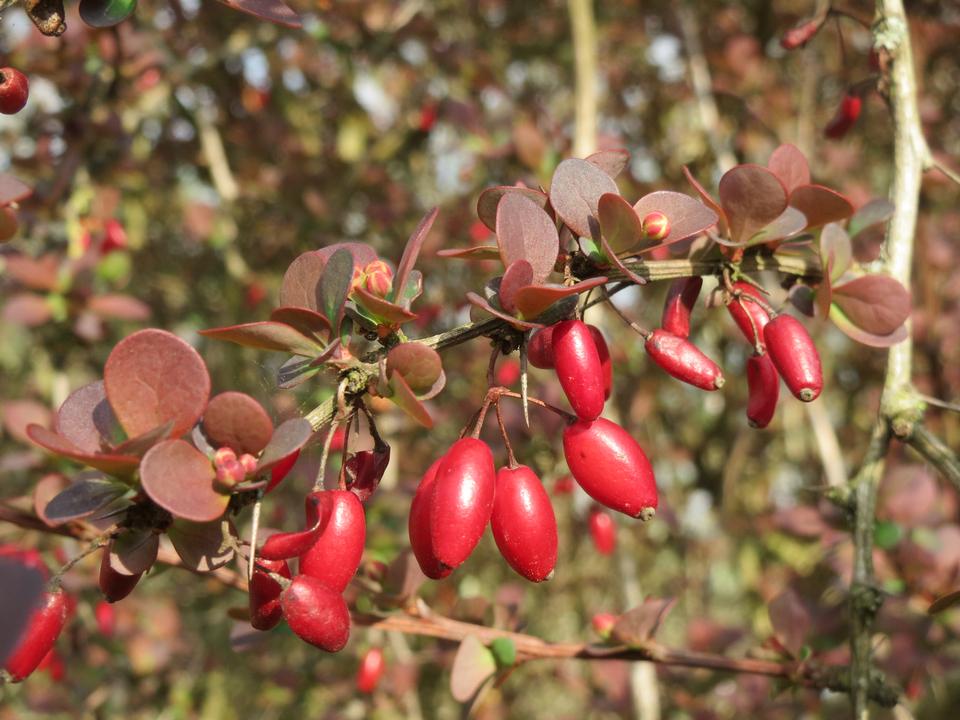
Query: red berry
x=540, y=348
x=418, y=526
x=800, y=35
x=523, y=524
x=14, y=90
x=265, y=610
x=579, y=369
x=52, y=663
x=606, y=364
x=603, y=531
x=43, y=629
x=684, y=360
x=845, y=117
x=508, y=373
x=106, y=617
x=462, y=500
x=316, y=613
x=655, y=226
x=563, y=485
x=336, y=553
x=611, y=467
x=763, y=384
x=603, y=624
x=114, y=584
x=749, y=316
x=114, y=237
x=681, y=298
x=792, y=350
x=286, y=545
x=371, y=670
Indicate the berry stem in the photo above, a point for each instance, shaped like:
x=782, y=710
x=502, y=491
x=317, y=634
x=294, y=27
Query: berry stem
x=511, y=458
x=94, y=544
x=636, y=327
x=327, y=442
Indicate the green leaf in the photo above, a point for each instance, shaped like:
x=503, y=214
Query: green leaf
x=504, y=651
x=886, y=534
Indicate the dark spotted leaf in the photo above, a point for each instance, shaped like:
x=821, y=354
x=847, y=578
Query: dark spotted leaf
x=575, y=192
x=179, y=478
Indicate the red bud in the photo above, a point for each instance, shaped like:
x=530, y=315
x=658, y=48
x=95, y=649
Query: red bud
x=684, y=360
x=792, y=350
x=603, y=624
x=655, y=226
x=523, y=524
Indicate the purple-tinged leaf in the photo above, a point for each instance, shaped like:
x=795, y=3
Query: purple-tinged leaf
x=235, y=420
x=618, y=263
x=273, y=11
x=88, y=493
x=722, y=222
x=117, y=306
x=152, y=377
x=490, y=199
x=13, y=190
x=305, y=321
x=335, y=284
x=790, y=166
x=299, y=286
x=420, y=365
x=267, y=335
x=836, y=250
x=575, y=192
x=790, y=620
x=482, y=304
x=519, y=274
x=411, y=251
x=46, y=489
x=526, y=232
x=640, y=624
x=874, y=212
x=86, y=419
x=40, y=274
x=534, y=299
x=820, y=204
x=619, y=223
x=612, y=162
x=365, y=469
x=201, y=546
x=790, y=222
x=864, y=337
x=134, y=552
x=384, y=310
x=179, y=478
x=121, y=465
x=289, y=437
x=875, y=303
x=687, y=217
x=404, y=398
x=752, y=197
x=28, y=310
x=473, y=666
x=18, y=414
x=141, y=443
x=478, y=252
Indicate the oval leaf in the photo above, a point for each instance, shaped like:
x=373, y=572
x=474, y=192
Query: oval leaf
x=876, y=211
x=106, y=13
x=305, y=321
x=420, y=365
x=152, y=377
x=687, y=216
x=790, y=166
x=237, y=421
x=410, y=253
x=640, y=624
x=201, y=546
x=287, y=439
x=334, y=287
x=836, y=250
x=575, y=192
x=526, y=232
x=534, y=299
x=820, y=204
x=482, y=304
x=84, y=497
x=179, y=478
x=519, y=274
x=490, y=198
x=752, y=197
x=46, y=489
x=862, y=336
x=404, y=398
x=267, y=335
x=134, y=551
x=612, y=162
x=619, y=223
x=121, y=465
x=299, y=285
x=875, y=303
x=473, y=665
x=86, y=419
x=708, y=201
x=387, y=312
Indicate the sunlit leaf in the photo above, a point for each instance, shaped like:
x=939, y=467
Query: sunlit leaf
x=534, y=299
x=876, y=211
x=266, y=335
x=407, y=401
x=490, y=198
x=384, y=310
x=612, y=162
x=790, y=166
x=307, y=322
x=287, y=439
x=877, y=304
x=86, y=419
x=236, y=420
x=752, y=197
x=519, y=274
x=479, y=252
x=526, y=232
x=411, y=251
x=836, y=250
x=708, y=201
x=482, y=304
x=686, y=216
x=335, y=284
x=820, y=204
x=134, y=551
x=179, y=478
x=420, y=365
x=120, y=465
x=575, y=192
x=619, y=223
x=862, y=336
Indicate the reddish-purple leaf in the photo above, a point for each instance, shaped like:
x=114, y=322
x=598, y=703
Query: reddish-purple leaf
x=40, y=274
x=619, y=223
x=236, y=420
x=201, y=546
x=526, y=232
x=482, y=304
x=116, y=306
x=478, y=252
x=18, y=414
x=862, y=336
x=59, y=445
x=640, y=624
x=335, y=284
x=790, y=222
x=179, y=478
x=365, y=470
x=875, y=303
x=299, y=286
x=876, y=211
x=273, y=11
x=287, y=439
x=790, y=620
x=820, y=204
x=404, y=398
x=420, y=365
x=790, y=165
x=383, y=310
x=575, y=192
x=612, y=162
x=305, y=321
x=134, y=551
x=618, y=263
x=410, y=253
x=27, y=309
x=88, y=493
x=141, y=443
x=687, y=217
x=708, y=200
x=752, y=197
x=490, y=198
x=13, y=190
x=519, y=274
x=534, y=299
x=836, y=250
x=152, y=377
x=267, y=335
x=473, y=665
x=86, y=419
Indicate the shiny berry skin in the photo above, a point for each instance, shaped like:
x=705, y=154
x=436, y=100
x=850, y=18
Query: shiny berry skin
x=286, y=545
x=611, y=467
x=763, y=385
x=684, y=360
x=749, y=316
x=603, y=531
x=523, y=524
x=336, y=553
x=114, y=584
x=655, y=226
x=372, y=665
x=606, y=363
x=792, y=350
x=462, y=500
x=43, y=629
x=14, y=90
x=265, y=610
x=317, y=614
x=578, y=367
x=540, y=348
x=845, y=117
x=681, y=297
x=418, y=526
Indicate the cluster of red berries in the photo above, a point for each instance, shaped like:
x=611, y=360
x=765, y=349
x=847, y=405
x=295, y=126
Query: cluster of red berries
x=329, y=550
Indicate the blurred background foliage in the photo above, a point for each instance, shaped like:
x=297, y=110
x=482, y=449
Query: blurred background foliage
x=180, y=162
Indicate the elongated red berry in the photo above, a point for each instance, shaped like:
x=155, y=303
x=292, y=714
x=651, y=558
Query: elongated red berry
x=462, y=500
x=792, y=350
x=606, y=363
x=418, y=526
x=316, y=613
x=371, y=670
x=336, y=553
x=43, y=629
x=611, y=467
x=114, y=584
x=603, y=531
x=265, y=610
x=845, y=117
x=763, y=384
x=681, y=297
x=286, y=545
x=684, y=360
x=14, y=90
x=523, y=524
x=540, y=348
x=749, y=316
x=578, y=368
